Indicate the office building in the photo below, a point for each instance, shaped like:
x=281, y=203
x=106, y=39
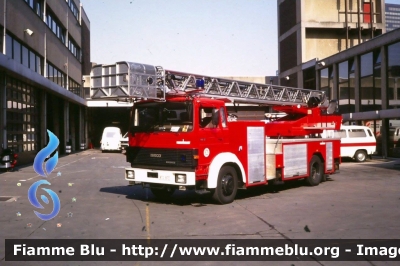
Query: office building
x=392, y=12
x=45, y=52
x=312, y=29
x=366, y=81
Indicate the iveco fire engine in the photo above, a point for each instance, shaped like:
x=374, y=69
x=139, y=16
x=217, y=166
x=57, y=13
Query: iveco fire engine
x=185, y=134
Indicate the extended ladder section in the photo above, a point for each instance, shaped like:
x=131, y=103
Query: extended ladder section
x=126, y=81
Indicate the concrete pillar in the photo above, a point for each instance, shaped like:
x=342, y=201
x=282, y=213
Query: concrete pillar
x=82, y=127
x=72, y=127
x=318, y=81
x=43, y=118
x=384, y=73
x=385, y=101
x=3, y=110
x=335, y=82
x=357, y=74
x=55, y=109
x=66, y=124
x=300, y=79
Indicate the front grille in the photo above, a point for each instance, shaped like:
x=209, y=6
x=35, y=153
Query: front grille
x=165, y=158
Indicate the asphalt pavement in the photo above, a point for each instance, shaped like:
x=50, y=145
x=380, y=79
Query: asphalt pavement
x=360, y=202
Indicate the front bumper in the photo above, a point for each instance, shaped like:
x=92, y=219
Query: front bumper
x=163, y=177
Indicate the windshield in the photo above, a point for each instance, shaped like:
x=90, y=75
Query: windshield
x=166, y=117
x=110, y=134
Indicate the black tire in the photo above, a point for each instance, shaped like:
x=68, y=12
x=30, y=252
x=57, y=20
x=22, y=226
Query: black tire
x=227, y=185
x=316, y=171
x=163, y=193
x=360, y=156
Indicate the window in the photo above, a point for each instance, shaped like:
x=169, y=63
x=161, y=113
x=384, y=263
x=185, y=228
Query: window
x=9, y=46
x=55, y=75
x=357, y=133
x=55, y=26
x=22, y=116
x=340, y=134
x=394, y=75
x=74, y=87
x=370, y=81
x=23, y=54
x=326, y=76
x=346, y=87
x=74, y=48
x=73, y=8
x=223, y=117
x=209, y=117
x=36, y=5
x=165, y=117
x=16, y=51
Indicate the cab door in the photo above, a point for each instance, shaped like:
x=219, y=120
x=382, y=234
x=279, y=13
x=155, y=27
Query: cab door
x=213, y=132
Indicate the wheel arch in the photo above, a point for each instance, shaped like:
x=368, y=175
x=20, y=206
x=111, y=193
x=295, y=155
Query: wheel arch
x=319, y=155
x=355, y=153
x=224, y=159
x=358, y=151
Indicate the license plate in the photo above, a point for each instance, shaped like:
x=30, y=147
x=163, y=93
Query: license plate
x=164, y=177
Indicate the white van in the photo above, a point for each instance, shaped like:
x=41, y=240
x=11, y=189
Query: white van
x=356, y=142
x=111, y=139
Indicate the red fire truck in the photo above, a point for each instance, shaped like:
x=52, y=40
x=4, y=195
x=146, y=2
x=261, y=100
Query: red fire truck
x=186, y=133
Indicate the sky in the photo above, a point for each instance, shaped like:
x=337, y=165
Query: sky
x=209, y=37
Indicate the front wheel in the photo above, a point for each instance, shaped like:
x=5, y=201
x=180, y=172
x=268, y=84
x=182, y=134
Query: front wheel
x=316, y=171
x=360, y=156
x=227, y=185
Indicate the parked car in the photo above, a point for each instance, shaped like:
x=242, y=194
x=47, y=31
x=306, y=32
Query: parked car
x=356, y=142
x=124, y=141
x=8, y=159
x=111, y=139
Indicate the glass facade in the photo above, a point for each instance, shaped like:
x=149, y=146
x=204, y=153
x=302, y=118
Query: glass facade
x=74, y=9
x=361, y=84
x=55, y=26
x=370, y=85
x=326, y=81
x=369, y=81
x=74, y=87
x=23, y=54
x=34, y=95
x=56, y=75
x=392, y=12
x=37, y=6
x=74, y=48
x=346, y=87
x=394, y=75
x=22, y=111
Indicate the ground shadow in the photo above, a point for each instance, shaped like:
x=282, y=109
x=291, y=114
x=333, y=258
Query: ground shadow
x=184, y=198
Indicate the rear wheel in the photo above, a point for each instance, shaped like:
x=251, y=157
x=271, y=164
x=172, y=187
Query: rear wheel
x=360, y=156
x=163, y=193
x=227, y=185
x=316, y=171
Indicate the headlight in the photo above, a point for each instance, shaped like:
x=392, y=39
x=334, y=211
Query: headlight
x=130, y=174
x=180, y=178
